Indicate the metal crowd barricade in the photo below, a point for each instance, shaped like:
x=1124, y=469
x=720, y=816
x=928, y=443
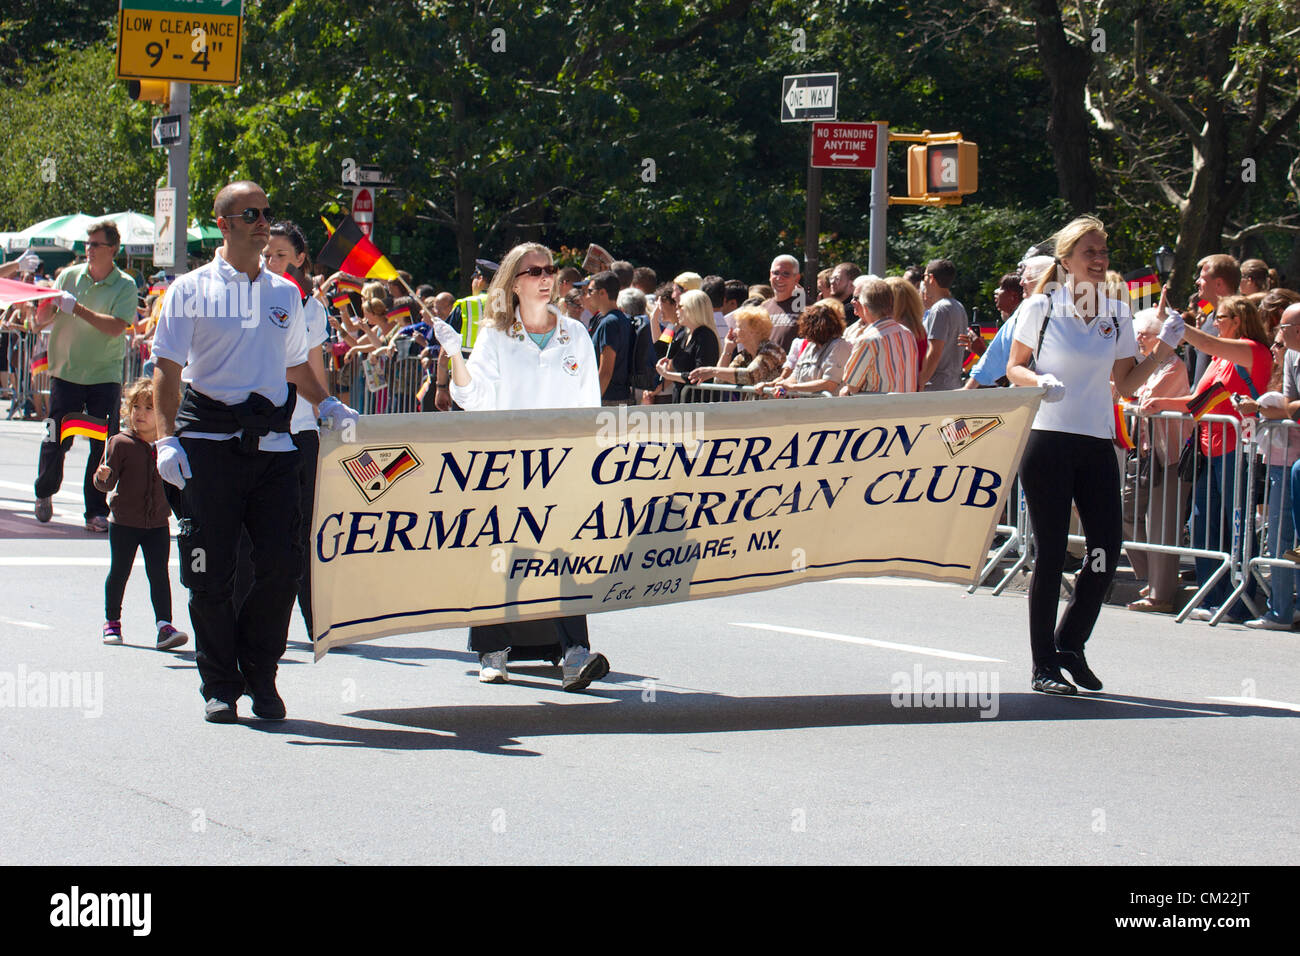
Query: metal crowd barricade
x=1158, y=504
x=26, y=386
x=717, y=392
x=1278, y=448
x=1160, y=514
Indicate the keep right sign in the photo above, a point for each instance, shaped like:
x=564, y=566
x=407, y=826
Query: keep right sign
x=844, y=145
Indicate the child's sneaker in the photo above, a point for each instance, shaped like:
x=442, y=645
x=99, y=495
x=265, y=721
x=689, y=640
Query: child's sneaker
x=169, y=637
x=112, y=632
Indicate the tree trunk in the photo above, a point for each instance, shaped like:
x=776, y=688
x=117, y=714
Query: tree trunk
x=1068, y=126
x=466, y=244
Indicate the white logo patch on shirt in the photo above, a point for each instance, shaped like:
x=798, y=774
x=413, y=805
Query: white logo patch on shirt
x=1105, y=328
x=571, y=364
x=279, y=317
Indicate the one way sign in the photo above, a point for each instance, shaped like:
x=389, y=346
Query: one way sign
x=809, y=96
x=166, y=131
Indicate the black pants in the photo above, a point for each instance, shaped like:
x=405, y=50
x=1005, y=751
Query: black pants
x=156, y=543
x=531, y=640
x=228, y=493
x=1059, y=468
x=101, y=400
x=308, y=443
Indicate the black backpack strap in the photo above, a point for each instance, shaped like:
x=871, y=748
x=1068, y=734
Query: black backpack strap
x=1042, y=329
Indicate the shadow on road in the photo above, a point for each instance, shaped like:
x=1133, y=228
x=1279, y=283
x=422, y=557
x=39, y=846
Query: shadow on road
x=500, y=728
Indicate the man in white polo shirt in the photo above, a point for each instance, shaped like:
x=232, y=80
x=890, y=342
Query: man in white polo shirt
x=238, y=331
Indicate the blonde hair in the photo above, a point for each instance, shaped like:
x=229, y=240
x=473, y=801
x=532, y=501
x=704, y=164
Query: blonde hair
x=908, y=308
x=499, y=311
x=755, y=319
x=1243, y=310
x=141, y=388
x=695, y=310
x=1063, y=243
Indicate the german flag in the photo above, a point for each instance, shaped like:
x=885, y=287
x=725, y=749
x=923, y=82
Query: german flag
x=87, y=426
x=969, y=361
x=349, y=250
x=666, y=335
x=41, y=363
x=340, y=299
x=398, y=313
x=1215, y=400
x=1142, y=283
x=399, y=466
x=329, y=230
x=1122, y=436
x=988, y=332
x=347, y=284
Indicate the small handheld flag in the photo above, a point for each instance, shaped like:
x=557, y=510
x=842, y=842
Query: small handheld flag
x=1142, y=283
x=1214, y=400
x=87, y=426
x=346, y=284
x=340, y=299
x=1122, y=436
x=350, y=250
x=41, y=363
x=400, y=312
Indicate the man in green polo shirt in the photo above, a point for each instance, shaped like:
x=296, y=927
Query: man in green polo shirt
x=86, y=350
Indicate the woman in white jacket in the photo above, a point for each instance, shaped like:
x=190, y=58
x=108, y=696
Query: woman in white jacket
x=527, y=355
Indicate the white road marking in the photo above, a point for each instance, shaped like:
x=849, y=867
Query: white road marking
x=869, y=642
x=68, y=562
x=1259, y=702
x=31, y=624
x=896, y=582
x=1103, y=698
x=27, y=487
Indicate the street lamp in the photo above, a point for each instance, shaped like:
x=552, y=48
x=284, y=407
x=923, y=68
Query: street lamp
x=1164, y=261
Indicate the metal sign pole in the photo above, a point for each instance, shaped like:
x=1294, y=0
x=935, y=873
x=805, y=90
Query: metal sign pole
x=879, y=203
x=812, y=224
x=178, y=176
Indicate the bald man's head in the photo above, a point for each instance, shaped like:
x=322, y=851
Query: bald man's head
x=233, y=198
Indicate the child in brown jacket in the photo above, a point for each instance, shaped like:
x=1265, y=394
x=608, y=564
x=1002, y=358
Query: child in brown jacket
x=138, y=515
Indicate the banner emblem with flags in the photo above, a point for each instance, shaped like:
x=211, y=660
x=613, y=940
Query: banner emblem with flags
x=375, y=470
x=960, y=432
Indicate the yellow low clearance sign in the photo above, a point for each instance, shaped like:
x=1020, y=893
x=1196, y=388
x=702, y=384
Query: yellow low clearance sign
x=191, y=41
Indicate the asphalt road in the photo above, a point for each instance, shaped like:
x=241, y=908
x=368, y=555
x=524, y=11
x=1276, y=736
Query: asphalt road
x=764, y=728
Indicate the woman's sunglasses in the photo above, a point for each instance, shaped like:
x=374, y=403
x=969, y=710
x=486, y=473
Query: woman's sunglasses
x=536, y=271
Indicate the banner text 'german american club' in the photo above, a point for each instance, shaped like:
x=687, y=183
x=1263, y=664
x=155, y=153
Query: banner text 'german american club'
x=428, y=521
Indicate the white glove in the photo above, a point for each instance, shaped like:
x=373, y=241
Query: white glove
x=334, y=414
x=1055, y=388
x=447, y=337
x=1171, y=333
x=64, y=302
x=29, y=262
x=1272, y=400
x=173, y=465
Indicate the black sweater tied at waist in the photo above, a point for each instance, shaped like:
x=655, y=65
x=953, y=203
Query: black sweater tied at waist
x=257, y=416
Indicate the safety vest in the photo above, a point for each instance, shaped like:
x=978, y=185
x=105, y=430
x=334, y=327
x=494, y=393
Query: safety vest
x=471, y=314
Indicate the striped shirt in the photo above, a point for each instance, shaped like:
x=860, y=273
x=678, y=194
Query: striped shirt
x=884, y=359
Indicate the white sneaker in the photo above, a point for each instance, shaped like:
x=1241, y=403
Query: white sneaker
x=1268, y=624
x=1200, y=614
x=581, y=667
x=492, y=667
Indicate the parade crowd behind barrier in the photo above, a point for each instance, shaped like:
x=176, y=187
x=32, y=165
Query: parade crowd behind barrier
x=1234, y=529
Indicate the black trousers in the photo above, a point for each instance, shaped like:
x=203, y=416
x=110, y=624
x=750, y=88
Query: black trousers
x=103, y=401
x=1059, y=468
x=308, y=443
x=531, y=640
x=122, y=544
x=228, y=493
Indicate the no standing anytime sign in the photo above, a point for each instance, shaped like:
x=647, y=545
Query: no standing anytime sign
x=844, y=145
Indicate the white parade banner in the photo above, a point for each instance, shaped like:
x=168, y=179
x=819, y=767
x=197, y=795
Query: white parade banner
x=429, y=521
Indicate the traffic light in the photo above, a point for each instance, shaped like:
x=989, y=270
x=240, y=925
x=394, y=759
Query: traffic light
x=150, y=91
x=940, y=173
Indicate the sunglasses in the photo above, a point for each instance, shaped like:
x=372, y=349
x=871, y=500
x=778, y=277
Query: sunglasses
x=92, y=244
x=250, y=215
x=536, y=271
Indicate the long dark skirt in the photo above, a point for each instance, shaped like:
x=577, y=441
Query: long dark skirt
x=543, y=640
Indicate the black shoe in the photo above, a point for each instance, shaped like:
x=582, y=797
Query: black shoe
x=219, y=712
x=1074, y=662
x=1051, y=682
x=266, y=702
